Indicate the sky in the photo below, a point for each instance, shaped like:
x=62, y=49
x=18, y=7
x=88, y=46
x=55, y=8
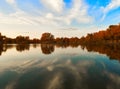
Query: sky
x=67, y=18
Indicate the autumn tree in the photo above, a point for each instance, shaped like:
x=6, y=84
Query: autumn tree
x=35, y=41
x=47, y=38
x=74, y=41
x=111, y=35
x=22, y=39
x=62, y=42
x=1, y=38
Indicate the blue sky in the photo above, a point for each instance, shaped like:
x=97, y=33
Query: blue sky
x=60, y=17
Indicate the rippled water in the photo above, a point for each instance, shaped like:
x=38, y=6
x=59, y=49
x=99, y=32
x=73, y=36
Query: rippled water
x=53, y=67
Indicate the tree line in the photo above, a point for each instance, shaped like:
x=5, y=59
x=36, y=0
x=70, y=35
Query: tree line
x=46, y=38
x=111, y=35
x=18, y=40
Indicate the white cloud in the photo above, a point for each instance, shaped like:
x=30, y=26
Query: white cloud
x=23, y=18
x=49, y=16
x=54, y=5
x=14, y=18
x=13, y=4
x=10, y=1
x=1, y=14
x=53, y=15
x=78, y=12
x=111, y=6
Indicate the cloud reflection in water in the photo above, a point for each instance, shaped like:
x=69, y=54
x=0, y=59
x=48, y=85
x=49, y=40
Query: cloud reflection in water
x=59, y=71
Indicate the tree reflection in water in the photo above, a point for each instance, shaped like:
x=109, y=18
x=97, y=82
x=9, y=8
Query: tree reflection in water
x=111, y=50
x=47, y=48
x=1, y=49
x=22, y=47
x=64, y=72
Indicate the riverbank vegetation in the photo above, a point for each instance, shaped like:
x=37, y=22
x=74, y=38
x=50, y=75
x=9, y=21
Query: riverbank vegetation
x=109, y=36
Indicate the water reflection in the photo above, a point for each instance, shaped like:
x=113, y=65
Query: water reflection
x=82, y=70
x=22, y=47
x=112, y=51
x=1, y=49
x=47, y=48
x=62, y=74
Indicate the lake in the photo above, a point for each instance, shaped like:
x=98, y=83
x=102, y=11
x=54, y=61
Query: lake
x=46, y=66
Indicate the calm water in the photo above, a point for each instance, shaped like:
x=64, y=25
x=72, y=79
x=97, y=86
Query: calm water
x=54, y=67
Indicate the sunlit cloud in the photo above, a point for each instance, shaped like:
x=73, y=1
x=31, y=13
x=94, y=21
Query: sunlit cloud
x=10, y=1
x=55, y=14
x=54, y=5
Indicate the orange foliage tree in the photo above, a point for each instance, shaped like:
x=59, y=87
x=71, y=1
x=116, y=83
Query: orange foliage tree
x=47, y=38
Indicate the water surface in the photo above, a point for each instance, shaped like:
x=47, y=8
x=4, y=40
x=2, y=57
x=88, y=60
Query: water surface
x=53, y=67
